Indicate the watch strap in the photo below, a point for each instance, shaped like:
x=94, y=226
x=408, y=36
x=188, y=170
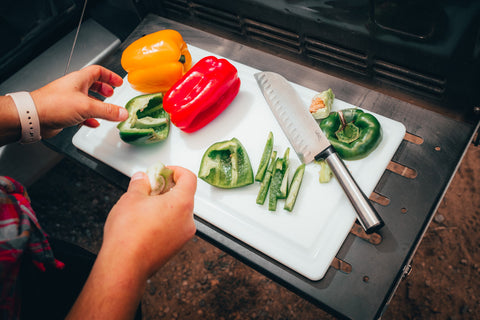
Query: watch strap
x=28, y=116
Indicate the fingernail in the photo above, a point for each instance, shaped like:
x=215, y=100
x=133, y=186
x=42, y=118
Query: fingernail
x=138, y=176
x=123, y=113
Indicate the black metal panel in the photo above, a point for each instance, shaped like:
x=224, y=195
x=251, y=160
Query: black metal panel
x=433, y=54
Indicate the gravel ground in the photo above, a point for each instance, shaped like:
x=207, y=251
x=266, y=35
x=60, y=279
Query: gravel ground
x=202, y=282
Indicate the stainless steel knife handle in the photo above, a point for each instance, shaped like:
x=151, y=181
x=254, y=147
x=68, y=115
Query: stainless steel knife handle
x=367, y=215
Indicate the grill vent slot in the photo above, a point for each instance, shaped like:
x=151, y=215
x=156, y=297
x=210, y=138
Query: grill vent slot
x=211, y=15
x=272, y=36
x=336, y=56
x=176, y=7
x=408, y=79
x=218, y=17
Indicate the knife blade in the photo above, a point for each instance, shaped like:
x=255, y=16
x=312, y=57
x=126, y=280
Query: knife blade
x=310, y=143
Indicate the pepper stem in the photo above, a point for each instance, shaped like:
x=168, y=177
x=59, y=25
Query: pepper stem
x=347, y=132
x=342, y=119
x=182, y=59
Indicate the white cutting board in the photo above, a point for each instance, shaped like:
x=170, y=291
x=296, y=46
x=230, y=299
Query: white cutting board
x=305, y=240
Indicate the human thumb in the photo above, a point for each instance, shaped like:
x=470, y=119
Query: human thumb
x=140, y=183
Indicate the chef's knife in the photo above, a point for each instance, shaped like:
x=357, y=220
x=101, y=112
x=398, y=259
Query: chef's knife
x=309, y=142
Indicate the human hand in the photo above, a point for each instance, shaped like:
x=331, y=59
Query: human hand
x=141, y=233
x=148, y=230
x=65, y=102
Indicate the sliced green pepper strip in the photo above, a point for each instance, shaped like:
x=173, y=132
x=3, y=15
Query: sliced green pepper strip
x=355, y=139
x=147, y=122
x=267, y=152
x=226, y=165
x=294, y=187
x=283, y=191
x=277, y=177
x=264, y=186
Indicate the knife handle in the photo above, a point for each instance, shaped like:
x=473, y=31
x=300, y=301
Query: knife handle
x=366, y=214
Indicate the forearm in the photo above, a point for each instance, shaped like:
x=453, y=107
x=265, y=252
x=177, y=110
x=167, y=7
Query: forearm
x=10, y=127
x=113, y=289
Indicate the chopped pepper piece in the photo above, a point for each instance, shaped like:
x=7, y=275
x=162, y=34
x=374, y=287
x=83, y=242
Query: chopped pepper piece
x=267, y=152
x=265, y=185
x=202, y=93
x=322, y=104
x=156, y=61
x=283, y=191
x=277, y=178
x=294, y=187
x=325, y=174
x=353, y=133
x=147, y=122
x=226, y=165
x=161, y=178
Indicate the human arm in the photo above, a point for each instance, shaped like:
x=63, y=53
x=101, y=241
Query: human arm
x=141, y=234
x=65, y=102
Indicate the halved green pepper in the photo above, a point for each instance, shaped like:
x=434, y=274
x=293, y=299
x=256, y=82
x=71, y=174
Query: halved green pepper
x=353, y=133
x=147, y=122
x=226, y=165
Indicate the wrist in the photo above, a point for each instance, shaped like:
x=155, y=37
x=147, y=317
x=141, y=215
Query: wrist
x=122, y=260
x=28, y=116
x=10, y=127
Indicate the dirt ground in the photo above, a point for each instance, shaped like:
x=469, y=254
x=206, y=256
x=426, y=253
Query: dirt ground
x=202, y=282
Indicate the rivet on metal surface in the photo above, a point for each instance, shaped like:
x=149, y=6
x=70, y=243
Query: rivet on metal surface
x=373, y=238
x=437, y=148
x=366, y=278
x=403, y=210
x=341, y=265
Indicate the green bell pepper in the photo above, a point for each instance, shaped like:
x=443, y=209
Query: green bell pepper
x=226, y=165
x=147, y=122
x=353, y=133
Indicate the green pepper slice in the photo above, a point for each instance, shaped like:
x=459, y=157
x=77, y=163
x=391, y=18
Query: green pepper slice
x=265, y=185
x=353, y=133
x=147, y=122
x=277, y=178
x=267, y=152
x=226, y=165
x=294, y=187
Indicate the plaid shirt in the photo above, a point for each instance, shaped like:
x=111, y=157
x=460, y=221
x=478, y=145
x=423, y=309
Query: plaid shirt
x=20, y=237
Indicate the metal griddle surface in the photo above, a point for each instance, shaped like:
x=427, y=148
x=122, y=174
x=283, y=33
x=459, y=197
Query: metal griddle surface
x=376, y=269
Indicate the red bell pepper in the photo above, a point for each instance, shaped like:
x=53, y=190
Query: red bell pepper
x=202, y=93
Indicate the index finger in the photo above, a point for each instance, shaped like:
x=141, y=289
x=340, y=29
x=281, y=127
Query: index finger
x=101, y=74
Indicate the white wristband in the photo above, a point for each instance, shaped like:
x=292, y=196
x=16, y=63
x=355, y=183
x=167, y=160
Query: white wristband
x=28, y=116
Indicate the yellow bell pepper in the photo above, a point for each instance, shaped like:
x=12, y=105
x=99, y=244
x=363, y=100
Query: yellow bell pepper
x=156, y=61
